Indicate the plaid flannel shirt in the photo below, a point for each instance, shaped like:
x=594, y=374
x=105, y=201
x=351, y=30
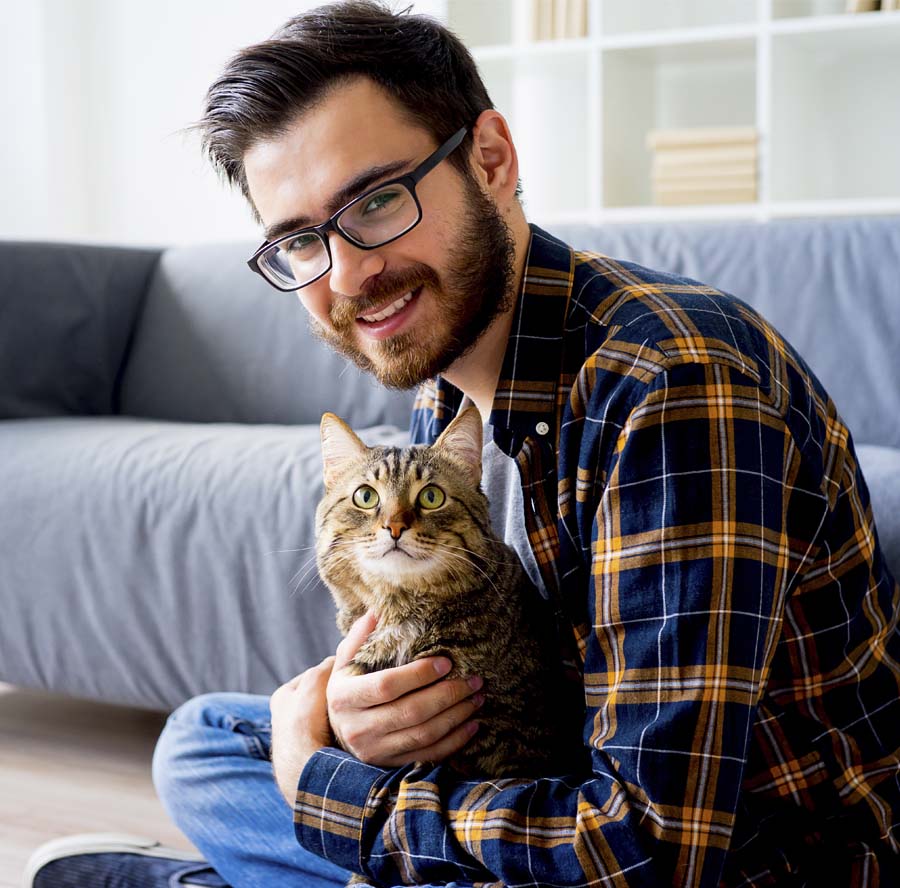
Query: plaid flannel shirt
x=696, y=507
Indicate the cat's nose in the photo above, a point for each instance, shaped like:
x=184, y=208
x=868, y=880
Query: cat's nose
x=395, y=528
x=396, y=524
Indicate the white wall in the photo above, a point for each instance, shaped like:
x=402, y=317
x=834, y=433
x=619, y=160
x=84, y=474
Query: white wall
x=93, y=96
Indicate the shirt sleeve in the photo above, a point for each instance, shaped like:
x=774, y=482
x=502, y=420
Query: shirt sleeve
x=691, y=558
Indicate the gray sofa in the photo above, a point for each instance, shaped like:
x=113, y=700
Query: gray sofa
x=159, y=459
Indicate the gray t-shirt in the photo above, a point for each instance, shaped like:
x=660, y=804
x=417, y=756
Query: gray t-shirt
x=502, y=485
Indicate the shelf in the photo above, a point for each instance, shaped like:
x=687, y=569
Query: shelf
x=629, y=17
x=819, y=85
x=678, y=38
x=688, y=38
x=679, y=214
x=661, y=87
x=759, y=212
x=534, y=49
x=849, y=24
x=801, y=209
x=785, y=9
x=826, y=144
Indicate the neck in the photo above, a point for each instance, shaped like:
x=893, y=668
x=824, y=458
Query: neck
x=477, y=373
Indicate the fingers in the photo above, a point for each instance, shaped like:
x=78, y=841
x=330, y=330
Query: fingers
x=355, y=639
x=381, y=687
x=442, y=749
x=401, y=714
x=413, y=742
x=407, y=727
x=423, y=707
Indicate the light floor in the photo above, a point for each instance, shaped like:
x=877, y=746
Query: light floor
x=69, y=766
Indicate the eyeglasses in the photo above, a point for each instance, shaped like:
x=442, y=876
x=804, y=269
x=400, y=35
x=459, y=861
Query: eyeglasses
x=373, y=219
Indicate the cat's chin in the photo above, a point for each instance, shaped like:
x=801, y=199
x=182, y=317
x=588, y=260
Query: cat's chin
x=397, y=563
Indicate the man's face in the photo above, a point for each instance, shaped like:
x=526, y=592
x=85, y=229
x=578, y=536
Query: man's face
x=457, y=263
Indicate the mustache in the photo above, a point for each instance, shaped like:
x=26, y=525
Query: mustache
x=344, y=312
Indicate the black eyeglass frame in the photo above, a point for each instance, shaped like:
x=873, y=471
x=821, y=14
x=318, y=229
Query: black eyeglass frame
x=409, y=180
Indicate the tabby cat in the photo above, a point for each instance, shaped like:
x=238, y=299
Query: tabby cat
x=406, y=533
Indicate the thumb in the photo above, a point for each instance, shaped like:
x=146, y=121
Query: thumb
x=355, y=639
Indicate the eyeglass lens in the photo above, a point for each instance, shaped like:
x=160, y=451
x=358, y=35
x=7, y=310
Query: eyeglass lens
x=369, y=221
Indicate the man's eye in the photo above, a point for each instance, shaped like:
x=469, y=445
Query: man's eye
x=381, y=201
x=303, y=244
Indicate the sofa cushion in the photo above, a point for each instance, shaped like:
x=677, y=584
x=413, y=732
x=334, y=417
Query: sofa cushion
x=66, y=314
x=145, y=562
x=216, y=343
x=830, y=286
x=881, y=469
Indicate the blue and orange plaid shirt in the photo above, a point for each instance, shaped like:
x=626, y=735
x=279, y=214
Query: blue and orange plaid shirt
x=695, y=505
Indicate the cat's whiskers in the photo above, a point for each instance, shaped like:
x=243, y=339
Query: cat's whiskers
x=481, y=570
x=448, y=568
x=303, y=567
x=476, y=554
x=338, y=543
x=303, y=582
x=280, y=551
x=309, y=566
x=336, y=562
x=308, y=573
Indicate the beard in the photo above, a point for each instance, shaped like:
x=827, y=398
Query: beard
x=474, y=291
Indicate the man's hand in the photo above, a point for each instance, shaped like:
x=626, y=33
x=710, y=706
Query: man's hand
x=299, y=725
x=400, y=715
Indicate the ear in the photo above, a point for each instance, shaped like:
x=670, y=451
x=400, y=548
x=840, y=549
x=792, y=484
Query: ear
x=461, y=441
x=340, y=447
x=494, y=156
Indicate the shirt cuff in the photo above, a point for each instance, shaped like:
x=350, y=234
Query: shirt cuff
x=330, y=807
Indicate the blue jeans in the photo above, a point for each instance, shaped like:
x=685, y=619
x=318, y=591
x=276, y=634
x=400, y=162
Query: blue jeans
x=212, y=772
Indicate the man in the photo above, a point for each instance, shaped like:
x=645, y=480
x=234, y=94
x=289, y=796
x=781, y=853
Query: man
x=690, y=500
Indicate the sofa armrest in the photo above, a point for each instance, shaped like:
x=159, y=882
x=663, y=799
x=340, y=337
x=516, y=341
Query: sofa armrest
x=67, y=312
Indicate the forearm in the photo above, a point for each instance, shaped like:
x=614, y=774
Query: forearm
x=425, y=825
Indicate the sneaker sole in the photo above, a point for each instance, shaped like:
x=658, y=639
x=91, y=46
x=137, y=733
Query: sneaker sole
x=101, y=843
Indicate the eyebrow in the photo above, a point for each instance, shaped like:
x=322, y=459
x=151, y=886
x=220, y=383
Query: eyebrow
x=343, y=196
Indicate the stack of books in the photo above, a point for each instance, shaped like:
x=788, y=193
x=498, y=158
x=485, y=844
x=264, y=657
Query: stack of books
x=558, y=19
x=873, y=5
x=704, y=165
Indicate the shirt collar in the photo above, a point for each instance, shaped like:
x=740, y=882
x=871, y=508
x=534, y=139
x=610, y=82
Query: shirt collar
x=527, y=396
x=526, y=400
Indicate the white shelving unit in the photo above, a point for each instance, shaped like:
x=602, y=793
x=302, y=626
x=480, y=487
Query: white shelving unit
x=821, y=86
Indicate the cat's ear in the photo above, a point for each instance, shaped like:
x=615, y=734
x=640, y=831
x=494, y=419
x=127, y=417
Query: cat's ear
x=461, y=441
x=340, y=447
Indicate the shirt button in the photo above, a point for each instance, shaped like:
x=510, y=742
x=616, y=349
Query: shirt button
x=542, y=428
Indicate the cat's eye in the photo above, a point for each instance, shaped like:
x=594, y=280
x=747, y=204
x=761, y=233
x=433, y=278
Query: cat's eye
x=431, y=497
x=365, y=497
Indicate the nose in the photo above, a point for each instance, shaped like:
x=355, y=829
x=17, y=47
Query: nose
x=397, y=523
x=351, y=267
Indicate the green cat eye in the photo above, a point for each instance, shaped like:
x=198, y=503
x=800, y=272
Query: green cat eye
x=431, y=497
x=365, y=497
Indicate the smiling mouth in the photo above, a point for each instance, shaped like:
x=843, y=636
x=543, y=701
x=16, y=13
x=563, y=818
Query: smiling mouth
x=390, y=309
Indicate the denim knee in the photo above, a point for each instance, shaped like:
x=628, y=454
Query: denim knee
x=206, y=727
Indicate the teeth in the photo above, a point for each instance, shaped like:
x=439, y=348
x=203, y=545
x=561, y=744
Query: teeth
x=392, y=309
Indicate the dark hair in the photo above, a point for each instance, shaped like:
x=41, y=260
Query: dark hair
x=420, y=64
